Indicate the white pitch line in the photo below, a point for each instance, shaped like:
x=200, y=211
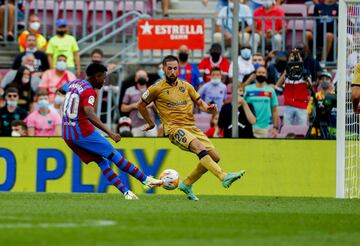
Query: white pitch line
x=58, y=225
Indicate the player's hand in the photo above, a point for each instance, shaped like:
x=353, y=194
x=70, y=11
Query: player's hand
x=115, y=136
x=148, y=127
x=212, y=108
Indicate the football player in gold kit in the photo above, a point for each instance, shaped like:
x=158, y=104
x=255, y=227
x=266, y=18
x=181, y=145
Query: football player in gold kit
x=174, y=100
x=355, y=89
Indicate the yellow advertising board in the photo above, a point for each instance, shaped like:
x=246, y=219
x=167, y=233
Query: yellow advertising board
x=273, y=167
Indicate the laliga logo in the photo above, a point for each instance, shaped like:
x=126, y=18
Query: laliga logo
x=175, y=31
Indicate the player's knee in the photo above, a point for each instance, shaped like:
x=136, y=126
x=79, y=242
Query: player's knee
x=196, y=146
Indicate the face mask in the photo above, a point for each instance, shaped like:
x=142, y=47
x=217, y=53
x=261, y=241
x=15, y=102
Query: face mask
x=141, y=81
x=325, y=85
x=61, y=65
x=97, y=62
x=161, y=73
x=15, y=134
x=231, y=5
x=280, y=65
x=245, y=54
x=11, y=103
x=261, y=78
x=31, y=50
x=25, y=80
x=61, y=33
x=257, y=65
x=215, y=57
x=59, y=99
x=183, y=57
x=216, y=81
x=268, y=4
x=35, y=25
x=43, y=103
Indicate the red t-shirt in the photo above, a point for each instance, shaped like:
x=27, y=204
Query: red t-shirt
x=275, y=11
x=206, y=65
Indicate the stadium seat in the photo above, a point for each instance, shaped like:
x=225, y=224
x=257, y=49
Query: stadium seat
x=295, y=9
x=101, y=13
x=299, y=131
x=129, y=5
x=202, y=121
x=310, y=10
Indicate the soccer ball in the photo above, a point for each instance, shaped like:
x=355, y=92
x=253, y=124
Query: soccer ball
x=171, y=179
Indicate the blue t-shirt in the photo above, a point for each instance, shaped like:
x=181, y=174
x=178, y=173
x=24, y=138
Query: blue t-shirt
x=212, y=92
x=263, y=99
x=322, y=9
x=196, y=77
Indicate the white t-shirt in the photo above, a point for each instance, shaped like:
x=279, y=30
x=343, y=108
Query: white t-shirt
x=244, y=68
x=225, y=17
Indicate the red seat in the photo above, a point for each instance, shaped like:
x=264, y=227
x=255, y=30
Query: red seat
x=101, y=13
x=76, y=15
x=295, y=9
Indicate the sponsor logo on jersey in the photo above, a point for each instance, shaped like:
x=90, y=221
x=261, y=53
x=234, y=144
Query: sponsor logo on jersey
x=91, y=100
x=145, y=94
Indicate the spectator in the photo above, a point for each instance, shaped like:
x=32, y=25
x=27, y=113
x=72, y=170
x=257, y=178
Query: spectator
x=265, y=103
x=246, y=117
x=27, y=61
x=245, y=66
x=10, y=111
x=214, y=60
x=43, y=122
x=254, y=4
x=268, y=11
x=18, y=128
x=188, y=72
x=215, y=90
x=220, y=4
x=328, y=10
x=97, y=56
x=26, y=88
x=296, y=94
x=224, y=24
x=10, y=21
x=33, y=28
x=258, y=60
x=59, y=101
x=311, y=65
x=275, y=70
x=129, y=105
x=124, y=127
x=41, y=62
x=214, y=131
x=64, y=44
x=54, y=79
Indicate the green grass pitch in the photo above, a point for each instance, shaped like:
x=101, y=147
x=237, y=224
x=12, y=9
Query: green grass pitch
x=108, y=219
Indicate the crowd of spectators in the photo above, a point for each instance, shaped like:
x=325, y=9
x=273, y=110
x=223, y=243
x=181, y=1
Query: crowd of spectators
x=267, y=97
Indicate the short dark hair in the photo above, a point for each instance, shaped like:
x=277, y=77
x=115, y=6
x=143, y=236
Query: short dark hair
x=41, y=92
x=19, y=123
x=95, y=68
x=61, y=55
x=11, y=90
x=214, y=69
x=169, y=58
x=97, y=51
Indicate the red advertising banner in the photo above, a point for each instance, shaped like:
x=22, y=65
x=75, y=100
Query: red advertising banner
x=170, y=34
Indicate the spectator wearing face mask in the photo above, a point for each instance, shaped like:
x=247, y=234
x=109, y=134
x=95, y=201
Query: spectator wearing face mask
x=265, y=103
x=129, y=105
x=28, y=62
x=33, y=28
x=43, y=122
x=10, y=111
x=26, y=88
x=64, y=44
x=275, y=70
x=59, y=101
x=214, y=60
x=188, y=72
x=41, y=62
x=245, y=66
x=214, y=91
x=18, y=128
x=54, y=79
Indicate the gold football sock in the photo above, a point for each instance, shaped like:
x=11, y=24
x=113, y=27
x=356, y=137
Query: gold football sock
x=212, y=166
x=195, y=175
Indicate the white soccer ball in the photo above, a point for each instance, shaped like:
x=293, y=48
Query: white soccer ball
x=171, y=179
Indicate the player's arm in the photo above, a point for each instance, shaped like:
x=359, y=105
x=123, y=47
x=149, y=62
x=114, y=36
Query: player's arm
x=196, y=98
x=91, y=115
x=142, y=107
x=355, y=89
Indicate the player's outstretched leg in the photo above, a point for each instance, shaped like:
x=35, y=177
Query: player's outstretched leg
x=131, y=169
x=186, y=185
x=115, y=180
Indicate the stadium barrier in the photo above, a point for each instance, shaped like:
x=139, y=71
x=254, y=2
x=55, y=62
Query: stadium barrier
x=273, y=167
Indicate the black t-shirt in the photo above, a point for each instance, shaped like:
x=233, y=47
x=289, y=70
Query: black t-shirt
x=322, y=9
x=245, y=128
x=41, y=61
x=6, y=118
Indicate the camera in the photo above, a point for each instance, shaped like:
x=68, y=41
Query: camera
x=295, y=66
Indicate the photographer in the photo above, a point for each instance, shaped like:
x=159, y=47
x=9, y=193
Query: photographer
x=295, y=83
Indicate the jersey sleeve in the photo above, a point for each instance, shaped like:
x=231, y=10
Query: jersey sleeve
x=88, y=98
x=193, y=93
x=150, y=94
x=356, y=78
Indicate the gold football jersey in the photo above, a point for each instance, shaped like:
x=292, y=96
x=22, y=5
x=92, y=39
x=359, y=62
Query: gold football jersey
x=174, y=103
